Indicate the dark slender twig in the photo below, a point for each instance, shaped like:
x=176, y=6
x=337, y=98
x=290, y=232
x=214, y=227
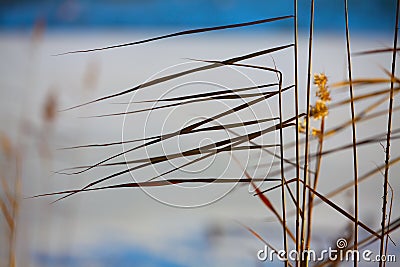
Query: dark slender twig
x=306, y=148
x=181, y=33
x=176, y=75
x=316, y=176
x=389, y=132
x=376, y=51
x=283, y=180
x=389, y=220
x=353, y=124
x=297, y=127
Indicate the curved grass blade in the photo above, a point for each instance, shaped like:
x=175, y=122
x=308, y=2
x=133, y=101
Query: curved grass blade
x=341, y=211
x=209, y=94
x=279, y=157
x=186, y=130
x=184, y=73
x=6, y=214
x=187, y=32
x=224, y=97
x=357, y=118
x=109, y=144
x=162, y=138
x=361, y=117
x=363, y=81
x=194, y=152
x=158, y=183
x=363, y=97
x=211, y=153
x=230, y=143
x=387, y=230
x=171, y=99
x=376, y=51
x=374, y=139
x=266, y=201
x=269, y=205
x=344, y=187
x=207, y=129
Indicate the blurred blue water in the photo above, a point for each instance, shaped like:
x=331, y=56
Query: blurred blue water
x=365, y=15
x=121, y=256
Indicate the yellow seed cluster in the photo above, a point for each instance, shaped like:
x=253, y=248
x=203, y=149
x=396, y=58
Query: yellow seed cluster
x=315, y=132
x=322, y=93
x=320, y=109
x=320, y=79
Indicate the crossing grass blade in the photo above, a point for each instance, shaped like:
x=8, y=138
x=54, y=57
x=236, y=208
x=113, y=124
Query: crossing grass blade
x=165, y=182
x=185, y=73
x=186, y=130
x=222, y=146
x=376, y=51
x=201, y=95
x=208, y=99
x=187, y=32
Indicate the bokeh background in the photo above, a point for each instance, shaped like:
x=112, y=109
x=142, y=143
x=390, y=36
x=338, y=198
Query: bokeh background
x=127, y=227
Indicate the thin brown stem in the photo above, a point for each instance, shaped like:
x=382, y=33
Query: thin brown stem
x=389, y=220
x=305, y=175
x=353, y=124
x=389, y=132
x=283, y=180
x=316, y=176
x=297, y=131
x=15, y=208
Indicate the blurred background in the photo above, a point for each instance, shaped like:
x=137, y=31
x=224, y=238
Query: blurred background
x=367, y=15
x=134, y=227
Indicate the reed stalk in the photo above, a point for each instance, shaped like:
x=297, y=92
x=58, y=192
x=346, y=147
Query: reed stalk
x=296, y=95
x=388, y=138
x=353, y=127
x=306, y=146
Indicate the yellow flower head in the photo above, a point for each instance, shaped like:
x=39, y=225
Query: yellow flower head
x=322, y=93
x=315, y=132
x=320, y=110
x=320, y=79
